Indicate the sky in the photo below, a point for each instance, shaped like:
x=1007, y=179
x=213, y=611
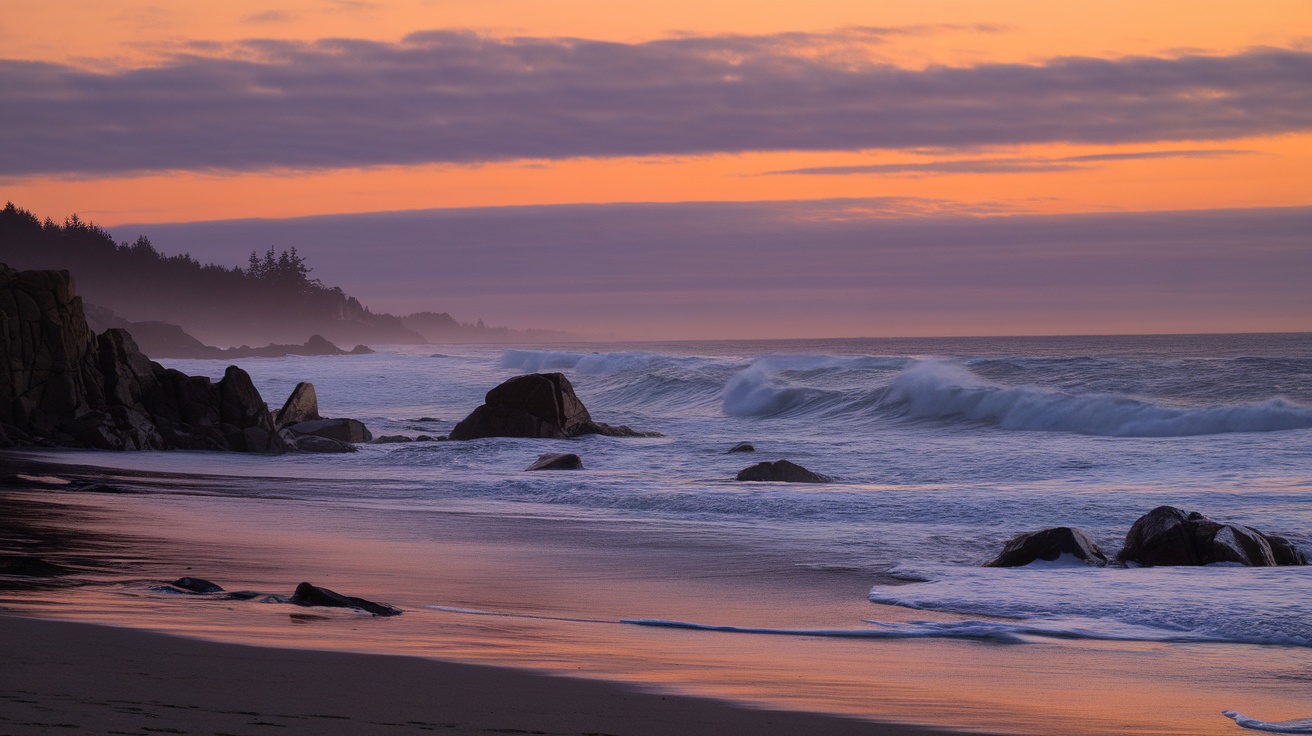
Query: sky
x=698, y=170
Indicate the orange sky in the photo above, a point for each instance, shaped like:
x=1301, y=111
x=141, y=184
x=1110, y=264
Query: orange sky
x=1259, y=171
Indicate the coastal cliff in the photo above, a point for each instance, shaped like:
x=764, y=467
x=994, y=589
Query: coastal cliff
x=63, y=385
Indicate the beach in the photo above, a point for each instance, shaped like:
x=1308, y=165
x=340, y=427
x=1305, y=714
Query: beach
x=652, y=571
x=64, y=677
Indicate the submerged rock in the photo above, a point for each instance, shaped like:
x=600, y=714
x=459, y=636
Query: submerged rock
x=556, y=461
x=1048, y=544
x=312, y=595
x=196, y=585
x=782, y=471
x=741, y=447
x=537, y=405
x=1170, y=536
x=392, y=439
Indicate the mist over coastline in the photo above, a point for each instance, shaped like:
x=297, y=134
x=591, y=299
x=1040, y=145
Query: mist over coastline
x=837, y=268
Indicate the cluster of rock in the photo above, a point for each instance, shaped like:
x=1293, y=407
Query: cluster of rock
x=305, y=594
x=537, y=405
x=1164, y=536
x=300, y=426
x=62, y=385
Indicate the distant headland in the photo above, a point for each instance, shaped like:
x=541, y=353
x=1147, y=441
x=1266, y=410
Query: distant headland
x=178, y=307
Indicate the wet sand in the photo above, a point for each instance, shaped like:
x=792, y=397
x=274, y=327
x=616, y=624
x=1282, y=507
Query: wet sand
x=68, y=678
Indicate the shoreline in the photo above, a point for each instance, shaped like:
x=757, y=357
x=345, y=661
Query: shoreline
x=66, y=677
x=119, y=530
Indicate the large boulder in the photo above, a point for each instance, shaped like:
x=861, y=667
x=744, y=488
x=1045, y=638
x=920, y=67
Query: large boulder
x=1171, y=536
x=539, y=405
x=1048, y=545
x=782, y=471
x=301, y=406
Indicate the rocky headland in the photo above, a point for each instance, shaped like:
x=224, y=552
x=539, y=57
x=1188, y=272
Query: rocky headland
x=63, y=385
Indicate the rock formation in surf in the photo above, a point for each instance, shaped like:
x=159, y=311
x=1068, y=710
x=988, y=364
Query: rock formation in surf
x=1170, y=536
x=300, y=425
x=312, y=595
x=541, y=405
x=557, y=461
x=1048, y=544
x=782, y=471
x=62, y=385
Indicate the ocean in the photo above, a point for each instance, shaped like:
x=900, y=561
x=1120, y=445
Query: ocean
x=653, y=565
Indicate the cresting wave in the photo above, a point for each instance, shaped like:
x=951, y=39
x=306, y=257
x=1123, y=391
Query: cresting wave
x=936, y=390
x=867, y=388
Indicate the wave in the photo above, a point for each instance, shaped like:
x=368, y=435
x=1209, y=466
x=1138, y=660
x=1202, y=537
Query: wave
x=1208, y=604
x=882, y=389
x=937, y=390
x=595, y=364
x=1299, y=725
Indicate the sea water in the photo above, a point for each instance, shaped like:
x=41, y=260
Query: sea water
x=940, y=450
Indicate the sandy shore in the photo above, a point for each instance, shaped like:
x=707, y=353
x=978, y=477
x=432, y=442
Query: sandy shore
x=61, y=677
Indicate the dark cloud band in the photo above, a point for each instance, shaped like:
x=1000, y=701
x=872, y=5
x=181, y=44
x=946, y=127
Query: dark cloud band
x=461, y=98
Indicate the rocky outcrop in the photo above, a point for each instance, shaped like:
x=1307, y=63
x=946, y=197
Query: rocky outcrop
x=165, y=340
x=301, y=427
x=1170, y=536
x=782, y=471
x=62, y=385
x=541, y=405
x=741, y=447
x=312, y=595
x=1048, y=544
x=556, y=461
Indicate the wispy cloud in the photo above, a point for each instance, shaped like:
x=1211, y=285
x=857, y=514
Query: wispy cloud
x=1011, y=164
x=463, y=98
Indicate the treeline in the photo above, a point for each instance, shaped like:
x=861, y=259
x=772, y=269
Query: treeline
x=273, y=299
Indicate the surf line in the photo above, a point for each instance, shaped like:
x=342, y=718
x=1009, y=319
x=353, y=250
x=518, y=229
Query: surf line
x=988, y=635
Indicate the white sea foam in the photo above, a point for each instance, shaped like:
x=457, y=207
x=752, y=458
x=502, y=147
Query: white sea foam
x=939, y=390
x=1299, y=725
x=1213, y=604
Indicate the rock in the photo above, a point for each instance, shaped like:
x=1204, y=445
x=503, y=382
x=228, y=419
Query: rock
x=537, y=405
x=392, y=439
x=782, y=471
x=301, y=406
x=741, y=447
x=1048, y=544
x=196, y=585
x=311, y=595
x=342, y=430
x=1284, y=551
x=1170, y=536
x=540, y=405
x=241, y=407
x=557, y=461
